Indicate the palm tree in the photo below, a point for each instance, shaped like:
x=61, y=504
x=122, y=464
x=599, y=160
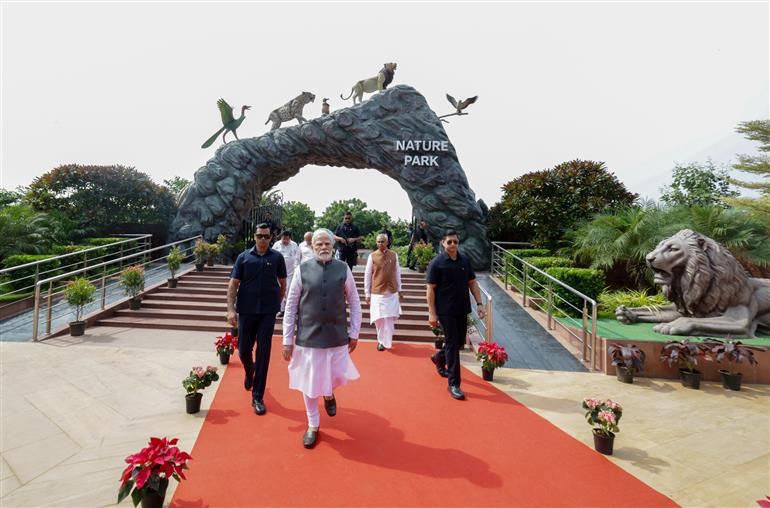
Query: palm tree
x=24, y=231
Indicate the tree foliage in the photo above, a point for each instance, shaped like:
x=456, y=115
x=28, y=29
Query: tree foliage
x=298, y=217
x=542, y=205
x=697, y=185
x=368, y=221
x=176, y=184
x=759, y=165
x=102, y=196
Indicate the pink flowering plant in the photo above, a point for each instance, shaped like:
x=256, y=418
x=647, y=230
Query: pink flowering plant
x=491, y=355
x=226, y=344
x=199, y=379
x=151, y=469
x=604, y=415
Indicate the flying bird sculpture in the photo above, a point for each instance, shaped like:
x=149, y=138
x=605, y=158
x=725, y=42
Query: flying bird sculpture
x=229, y=123
x=459, y=105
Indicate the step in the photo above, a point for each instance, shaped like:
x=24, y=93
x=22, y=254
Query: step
x=193, y=291
x=367, y=332
x=196, y=315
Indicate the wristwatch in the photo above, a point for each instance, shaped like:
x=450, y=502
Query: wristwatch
x=477, y=304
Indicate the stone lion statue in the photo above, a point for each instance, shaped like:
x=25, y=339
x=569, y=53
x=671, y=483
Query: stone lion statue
x=711, y=292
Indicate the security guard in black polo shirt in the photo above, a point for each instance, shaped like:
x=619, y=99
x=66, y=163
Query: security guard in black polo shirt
x=347, y=235
x=259, y=280
x=449, y=277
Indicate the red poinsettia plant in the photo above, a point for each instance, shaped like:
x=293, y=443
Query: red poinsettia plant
x=491, y=355
x=151, y=468
x=226, y=344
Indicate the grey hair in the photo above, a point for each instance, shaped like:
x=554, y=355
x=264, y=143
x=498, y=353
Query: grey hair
x=323, y=232
x=382, y=236
x=308, y=233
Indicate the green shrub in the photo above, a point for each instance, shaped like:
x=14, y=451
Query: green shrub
x=611, y=300
x=542, y=263
x=68, y=249
x=587, y=281
x=423, y=254
x=174, y=260
x=370, y=241
x=79, y=293
x=401, y=251
x=515, y=266
x=25, y=277
x=132, y=280
x=16, y=296
x=96, y=242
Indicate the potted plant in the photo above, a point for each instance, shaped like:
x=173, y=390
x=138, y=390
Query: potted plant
x=222, y=248
x=132, y=280
x=174, y=261
x=212, y=251
x=439, y=333
x=201, y=252
x=79, y=293
x=604, y=415
x=198, y=379
x=423, y=253
x=225, y=346
x=148, y=472
x=685, y=354
x=734, y=351
x=492, y=356
x=628, y=360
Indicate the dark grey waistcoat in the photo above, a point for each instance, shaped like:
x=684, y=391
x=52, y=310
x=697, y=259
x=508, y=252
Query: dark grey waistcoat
x=321, y=320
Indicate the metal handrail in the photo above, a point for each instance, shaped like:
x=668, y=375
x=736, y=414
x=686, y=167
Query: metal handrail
x=500, y=266
x=487, y=304
x=76, y=253
x=50, y=280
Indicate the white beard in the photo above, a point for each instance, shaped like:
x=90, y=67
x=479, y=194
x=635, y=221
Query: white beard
x=323, y=256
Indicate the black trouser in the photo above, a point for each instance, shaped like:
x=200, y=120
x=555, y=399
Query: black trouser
x=259, y=328
x=350, y=257
x=455, y=329
x=410, y=261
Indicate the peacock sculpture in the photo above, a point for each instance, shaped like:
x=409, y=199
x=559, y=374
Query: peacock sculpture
x=229, y=123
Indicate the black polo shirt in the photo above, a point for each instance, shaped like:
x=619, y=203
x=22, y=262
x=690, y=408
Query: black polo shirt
x=451, y=278
x=259, y=291
x=347, y=231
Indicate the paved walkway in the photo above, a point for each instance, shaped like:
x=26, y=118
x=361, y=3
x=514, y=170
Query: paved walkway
x=73, y=408
x=528, y=345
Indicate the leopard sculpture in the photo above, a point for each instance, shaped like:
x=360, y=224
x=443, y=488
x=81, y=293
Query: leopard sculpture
x=290, y=110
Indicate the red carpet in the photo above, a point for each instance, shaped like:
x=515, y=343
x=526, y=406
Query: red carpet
x=398, y=440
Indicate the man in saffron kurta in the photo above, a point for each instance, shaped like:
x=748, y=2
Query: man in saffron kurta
x=319, y=351
x=382, y=287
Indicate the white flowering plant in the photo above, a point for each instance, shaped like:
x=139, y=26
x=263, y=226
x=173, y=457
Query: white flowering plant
x=604, y=415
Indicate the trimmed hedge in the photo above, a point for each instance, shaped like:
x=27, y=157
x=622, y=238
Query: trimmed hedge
x=542, y=263
x=524, y=253
x=68, y=249
x=587, y=281
x=16, y=297
x=25, y=277
x=95, y=242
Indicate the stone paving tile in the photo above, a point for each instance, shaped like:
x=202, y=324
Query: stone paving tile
x=33, y=459
x=8, y=485
x=23, y=428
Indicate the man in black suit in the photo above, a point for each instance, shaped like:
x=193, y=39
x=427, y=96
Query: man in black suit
x=450, y=276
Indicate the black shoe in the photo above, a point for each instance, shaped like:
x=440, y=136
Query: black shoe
x=439, y=368
x=259, y=407
x=279, y=315
x=248, y=380
x=380, y=347
x=309, y=439
x=330, y=406
x=456, y=393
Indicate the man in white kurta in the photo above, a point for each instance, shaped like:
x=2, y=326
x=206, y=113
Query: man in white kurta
x=382, y=287
x=291, y=254
x=318, y=351
x=306, y=248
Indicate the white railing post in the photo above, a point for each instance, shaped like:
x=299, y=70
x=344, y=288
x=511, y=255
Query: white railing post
x=585, y=331
x=594, y=339
x=49, y=310
x=550, y=305
x=36, y=312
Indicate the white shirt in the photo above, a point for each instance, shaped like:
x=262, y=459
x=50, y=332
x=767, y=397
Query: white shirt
x=290, y=254
x=292, y=306
x=305, y=252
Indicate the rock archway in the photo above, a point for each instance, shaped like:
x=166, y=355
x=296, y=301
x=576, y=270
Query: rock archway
x=387, y=133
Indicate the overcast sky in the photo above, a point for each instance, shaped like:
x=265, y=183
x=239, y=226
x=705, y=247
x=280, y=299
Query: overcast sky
x=640, y=86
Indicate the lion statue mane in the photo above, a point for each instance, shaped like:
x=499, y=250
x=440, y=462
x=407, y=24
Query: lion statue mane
x=710, y=291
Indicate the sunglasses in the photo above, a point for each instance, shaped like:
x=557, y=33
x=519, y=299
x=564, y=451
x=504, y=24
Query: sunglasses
x=262, y=237
x=452, y=242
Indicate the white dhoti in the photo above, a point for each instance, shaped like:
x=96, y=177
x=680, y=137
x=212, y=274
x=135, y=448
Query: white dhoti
x=318, y=371
x=383, y=311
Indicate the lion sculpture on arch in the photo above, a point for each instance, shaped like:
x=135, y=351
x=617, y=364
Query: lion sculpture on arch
x=711, y=292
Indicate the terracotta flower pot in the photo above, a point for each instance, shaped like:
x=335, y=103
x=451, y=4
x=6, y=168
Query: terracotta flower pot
x=77, y=328
x=193, y=402
x=730, y=380
x=603, y=444
x=487, y=374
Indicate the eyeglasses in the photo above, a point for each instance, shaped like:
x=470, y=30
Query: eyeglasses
x=262, y=237
x=452, y=242
x=380, y=241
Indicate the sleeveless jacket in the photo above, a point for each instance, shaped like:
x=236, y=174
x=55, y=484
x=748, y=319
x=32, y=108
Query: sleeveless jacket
x=321, y=320
x=383, y=272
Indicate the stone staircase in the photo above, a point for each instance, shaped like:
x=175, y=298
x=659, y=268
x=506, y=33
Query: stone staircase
x=199, y=303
